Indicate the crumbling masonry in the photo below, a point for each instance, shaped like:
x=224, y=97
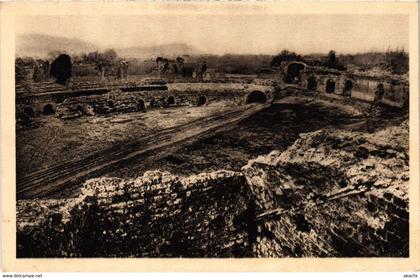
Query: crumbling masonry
x=340, y=194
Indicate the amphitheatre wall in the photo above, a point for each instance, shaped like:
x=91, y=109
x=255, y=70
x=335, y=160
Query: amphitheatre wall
x=281, y=204
x=389, y=90
x=116, y=100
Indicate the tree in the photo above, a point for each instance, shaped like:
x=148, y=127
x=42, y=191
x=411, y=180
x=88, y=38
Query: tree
x=331, y=58
x=104, y=62
x=285, y=55
x=398, y=61
x=180, y=60
x=204, y=67
x=165, y=65
x=20, y=72
x=61, y=68
x=158, y=60
x=110, y=56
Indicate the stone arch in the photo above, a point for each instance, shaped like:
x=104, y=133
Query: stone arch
x=201, y=100
x=80, y=109
x=152, y=102
x=140, y=105
x=170, y=100
x=330, y=86
x=293, y=72
x=379, y=92
x=348, y=86
x=29, y=112
x=312, y=84
x=256, y=97
x=162, y=102
x=48, y=109
x=110, y=104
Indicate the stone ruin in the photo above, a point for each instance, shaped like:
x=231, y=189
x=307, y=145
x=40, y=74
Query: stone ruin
x=331, y=194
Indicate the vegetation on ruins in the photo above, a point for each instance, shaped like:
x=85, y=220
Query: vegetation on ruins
x=108, y=63
x=396, y=61
x=20, y=71
x=283, y=56
x=333, y=62
x=61, y=68
x=104, y=62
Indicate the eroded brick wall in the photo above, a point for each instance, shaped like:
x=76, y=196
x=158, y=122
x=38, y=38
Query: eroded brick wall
x=333, y=193
x=159, y=214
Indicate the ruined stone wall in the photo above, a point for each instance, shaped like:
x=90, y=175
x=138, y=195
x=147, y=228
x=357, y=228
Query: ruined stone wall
x=332, y=193
x=363, y=87
x=69, y=106
x=158, y=214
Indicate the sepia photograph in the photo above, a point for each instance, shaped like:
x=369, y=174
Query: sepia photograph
x=212, y=135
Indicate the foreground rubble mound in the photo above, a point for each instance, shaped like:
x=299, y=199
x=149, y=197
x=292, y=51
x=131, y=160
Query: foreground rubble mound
x=333, y=194
x=329, y=194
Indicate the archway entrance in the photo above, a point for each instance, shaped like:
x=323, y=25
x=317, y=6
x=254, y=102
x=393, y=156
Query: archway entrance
x=152, y=102
x=80, y=109
x=48, y=110
x=110, y=104
x=293, y=71
x=171, y=100
x=330, y=87
x=348, y=86
x=379, y=93
x=29, y=112
x=312, y=84
x=140, y=105
x=201, y=101
x=256, y=97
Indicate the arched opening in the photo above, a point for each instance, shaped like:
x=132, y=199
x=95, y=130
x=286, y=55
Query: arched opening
x=348, y=86
x=29, y=112
x=162, y=102
x=330, y=87
x=312, y=84
x=80, y=109
x=256, y=97
x=140, y=105
x=110, y=104
x=171, y=100
x=48, y=110
x=201, y=100
x=379, y=93
x=293, y=72
x=152, y=102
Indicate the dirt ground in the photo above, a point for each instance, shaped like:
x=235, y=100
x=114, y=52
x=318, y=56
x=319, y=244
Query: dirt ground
x=273, y=128
x=56, y=140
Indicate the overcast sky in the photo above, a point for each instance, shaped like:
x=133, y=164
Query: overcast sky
x=220, y=34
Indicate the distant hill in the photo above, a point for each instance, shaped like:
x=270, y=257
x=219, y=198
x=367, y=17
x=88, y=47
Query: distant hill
x=39, y=45
x=165, y=50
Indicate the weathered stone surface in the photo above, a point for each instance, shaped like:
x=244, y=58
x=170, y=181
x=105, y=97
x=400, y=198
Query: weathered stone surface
x=157, y=214
x=334, y=194
x=330, y=194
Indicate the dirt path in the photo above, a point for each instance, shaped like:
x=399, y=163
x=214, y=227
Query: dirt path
x=45, y=182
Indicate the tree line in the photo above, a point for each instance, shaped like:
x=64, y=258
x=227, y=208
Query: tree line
x=108, y=63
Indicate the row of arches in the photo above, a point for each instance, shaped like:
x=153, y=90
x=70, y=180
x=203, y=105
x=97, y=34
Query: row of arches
x=330, y=87
x=48, y=109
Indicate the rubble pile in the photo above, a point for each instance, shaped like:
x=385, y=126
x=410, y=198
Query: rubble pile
x=333, y=194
